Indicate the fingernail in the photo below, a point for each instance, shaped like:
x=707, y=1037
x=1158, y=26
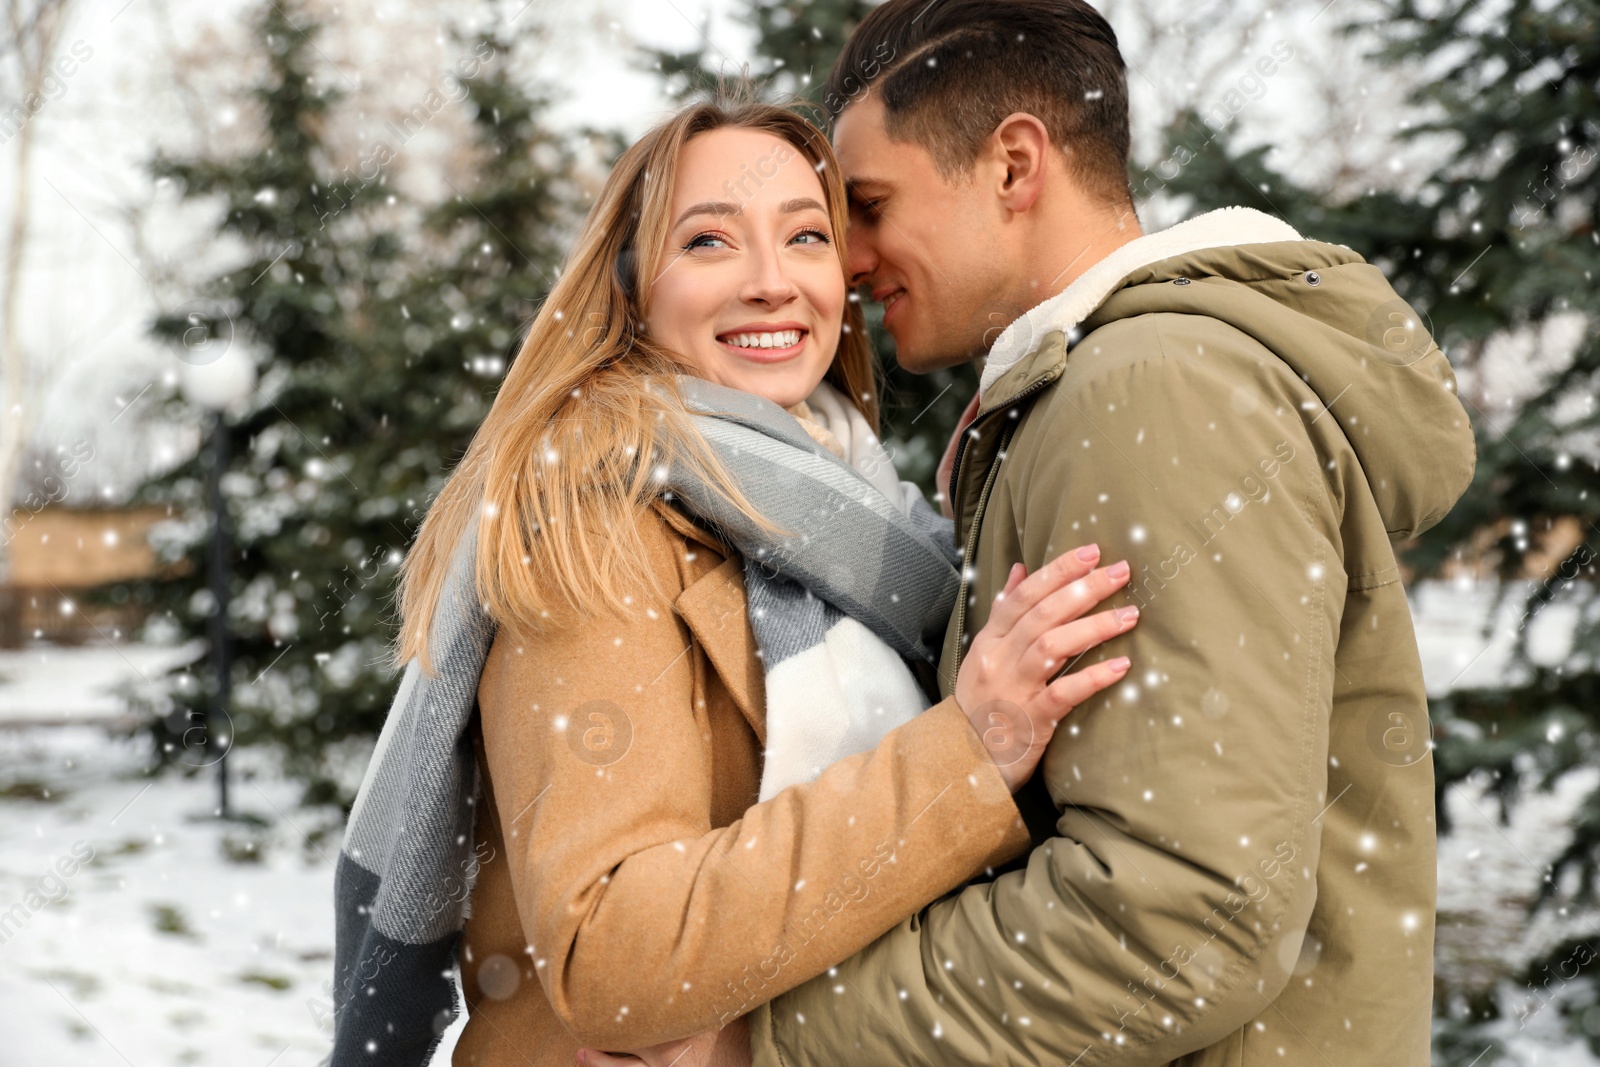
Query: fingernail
x=1088, y=553
x=1117, y=571
x=1127, y=613
x=1121, y=663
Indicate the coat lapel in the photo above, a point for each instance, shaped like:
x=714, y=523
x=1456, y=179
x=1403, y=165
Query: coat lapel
x=715, y=610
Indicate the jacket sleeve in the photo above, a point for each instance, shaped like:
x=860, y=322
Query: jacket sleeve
x=1169, y=907
x=645, y=922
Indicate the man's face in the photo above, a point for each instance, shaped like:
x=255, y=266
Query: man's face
x=933, y=253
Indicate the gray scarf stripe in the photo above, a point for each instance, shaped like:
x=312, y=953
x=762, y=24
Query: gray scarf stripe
x=774, y=596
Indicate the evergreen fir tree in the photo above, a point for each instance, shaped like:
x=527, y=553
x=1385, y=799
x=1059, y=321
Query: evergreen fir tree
x=1499, y=238
x=286, y=501
x=379, y=357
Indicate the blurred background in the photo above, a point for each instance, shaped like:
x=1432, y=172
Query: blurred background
x=265, y=265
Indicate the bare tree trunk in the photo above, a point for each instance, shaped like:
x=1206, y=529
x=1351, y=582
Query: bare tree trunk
x=34, y=28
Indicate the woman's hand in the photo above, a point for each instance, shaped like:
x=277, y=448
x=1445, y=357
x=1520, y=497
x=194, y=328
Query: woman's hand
x=728, y=1047
x=1035, y=629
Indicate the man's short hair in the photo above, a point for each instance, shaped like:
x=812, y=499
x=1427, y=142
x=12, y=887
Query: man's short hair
x=948, y=71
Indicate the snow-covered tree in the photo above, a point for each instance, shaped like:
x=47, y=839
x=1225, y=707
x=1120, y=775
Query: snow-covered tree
x=379, y=350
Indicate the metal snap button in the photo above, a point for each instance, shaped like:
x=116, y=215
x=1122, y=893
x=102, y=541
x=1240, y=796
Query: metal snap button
x=1180, y=281
x=1313, y=278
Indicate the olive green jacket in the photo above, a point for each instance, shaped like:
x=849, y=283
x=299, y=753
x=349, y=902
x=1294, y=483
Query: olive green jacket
x=1234, y=850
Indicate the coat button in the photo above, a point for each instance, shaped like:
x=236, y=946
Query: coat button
x=1313, y=278
x=1180, y=281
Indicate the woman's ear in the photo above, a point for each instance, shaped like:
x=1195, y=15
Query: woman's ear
x=626, y=270
x=1021, y=146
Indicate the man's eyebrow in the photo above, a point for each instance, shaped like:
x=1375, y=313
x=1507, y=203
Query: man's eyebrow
x=854, y=186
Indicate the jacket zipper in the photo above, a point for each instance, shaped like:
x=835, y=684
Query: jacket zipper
x=977, y=515
x=972, y=544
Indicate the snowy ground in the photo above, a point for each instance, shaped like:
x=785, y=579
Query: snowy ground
x=46, y=686
x=187, y=940
x=184, y=940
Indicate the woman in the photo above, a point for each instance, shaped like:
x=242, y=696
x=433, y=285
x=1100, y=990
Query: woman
x=696, y=552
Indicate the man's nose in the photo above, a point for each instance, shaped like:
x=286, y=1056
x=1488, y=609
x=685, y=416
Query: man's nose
x=861, y=257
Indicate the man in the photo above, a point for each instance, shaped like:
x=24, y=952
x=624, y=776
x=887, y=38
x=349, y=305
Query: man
x=1234, y=860
x=1234, y=856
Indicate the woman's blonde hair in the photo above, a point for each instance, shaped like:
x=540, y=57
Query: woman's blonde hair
x=564, y=465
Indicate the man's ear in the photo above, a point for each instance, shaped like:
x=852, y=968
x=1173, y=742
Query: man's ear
x=1020, y=146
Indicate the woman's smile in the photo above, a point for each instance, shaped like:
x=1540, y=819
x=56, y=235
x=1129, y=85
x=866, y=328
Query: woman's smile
x=762, y=342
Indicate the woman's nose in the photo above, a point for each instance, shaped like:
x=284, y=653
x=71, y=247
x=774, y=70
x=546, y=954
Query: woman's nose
x=769, y=284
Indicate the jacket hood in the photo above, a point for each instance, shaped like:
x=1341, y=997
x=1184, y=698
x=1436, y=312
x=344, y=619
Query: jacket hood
x=1324, y=311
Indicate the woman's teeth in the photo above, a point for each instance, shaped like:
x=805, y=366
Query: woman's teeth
x=781, y=339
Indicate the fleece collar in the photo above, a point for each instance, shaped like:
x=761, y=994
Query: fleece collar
x=1221, y=228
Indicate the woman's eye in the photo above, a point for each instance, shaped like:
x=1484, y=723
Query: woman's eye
x=821, y=237
x=695, y=242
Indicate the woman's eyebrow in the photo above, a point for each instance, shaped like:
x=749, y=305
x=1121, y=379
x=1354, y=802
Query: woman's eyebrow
x=724, y=207
x=710, y=207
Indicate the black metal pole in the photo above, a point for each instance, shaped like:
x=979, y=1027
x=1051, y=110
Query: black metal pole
x=220, y=645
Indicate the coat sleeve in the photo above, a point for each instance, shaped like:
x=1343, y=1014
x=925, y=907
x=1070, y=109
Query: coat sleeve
x=645, y=922
x=1169, y=907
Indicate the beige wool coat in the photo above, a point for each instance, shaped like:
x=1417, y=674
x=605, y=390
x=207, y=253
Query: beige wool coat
x=631, y=889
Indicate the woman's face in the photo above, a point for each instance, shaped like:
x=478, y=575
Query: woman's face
x=750, y=292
